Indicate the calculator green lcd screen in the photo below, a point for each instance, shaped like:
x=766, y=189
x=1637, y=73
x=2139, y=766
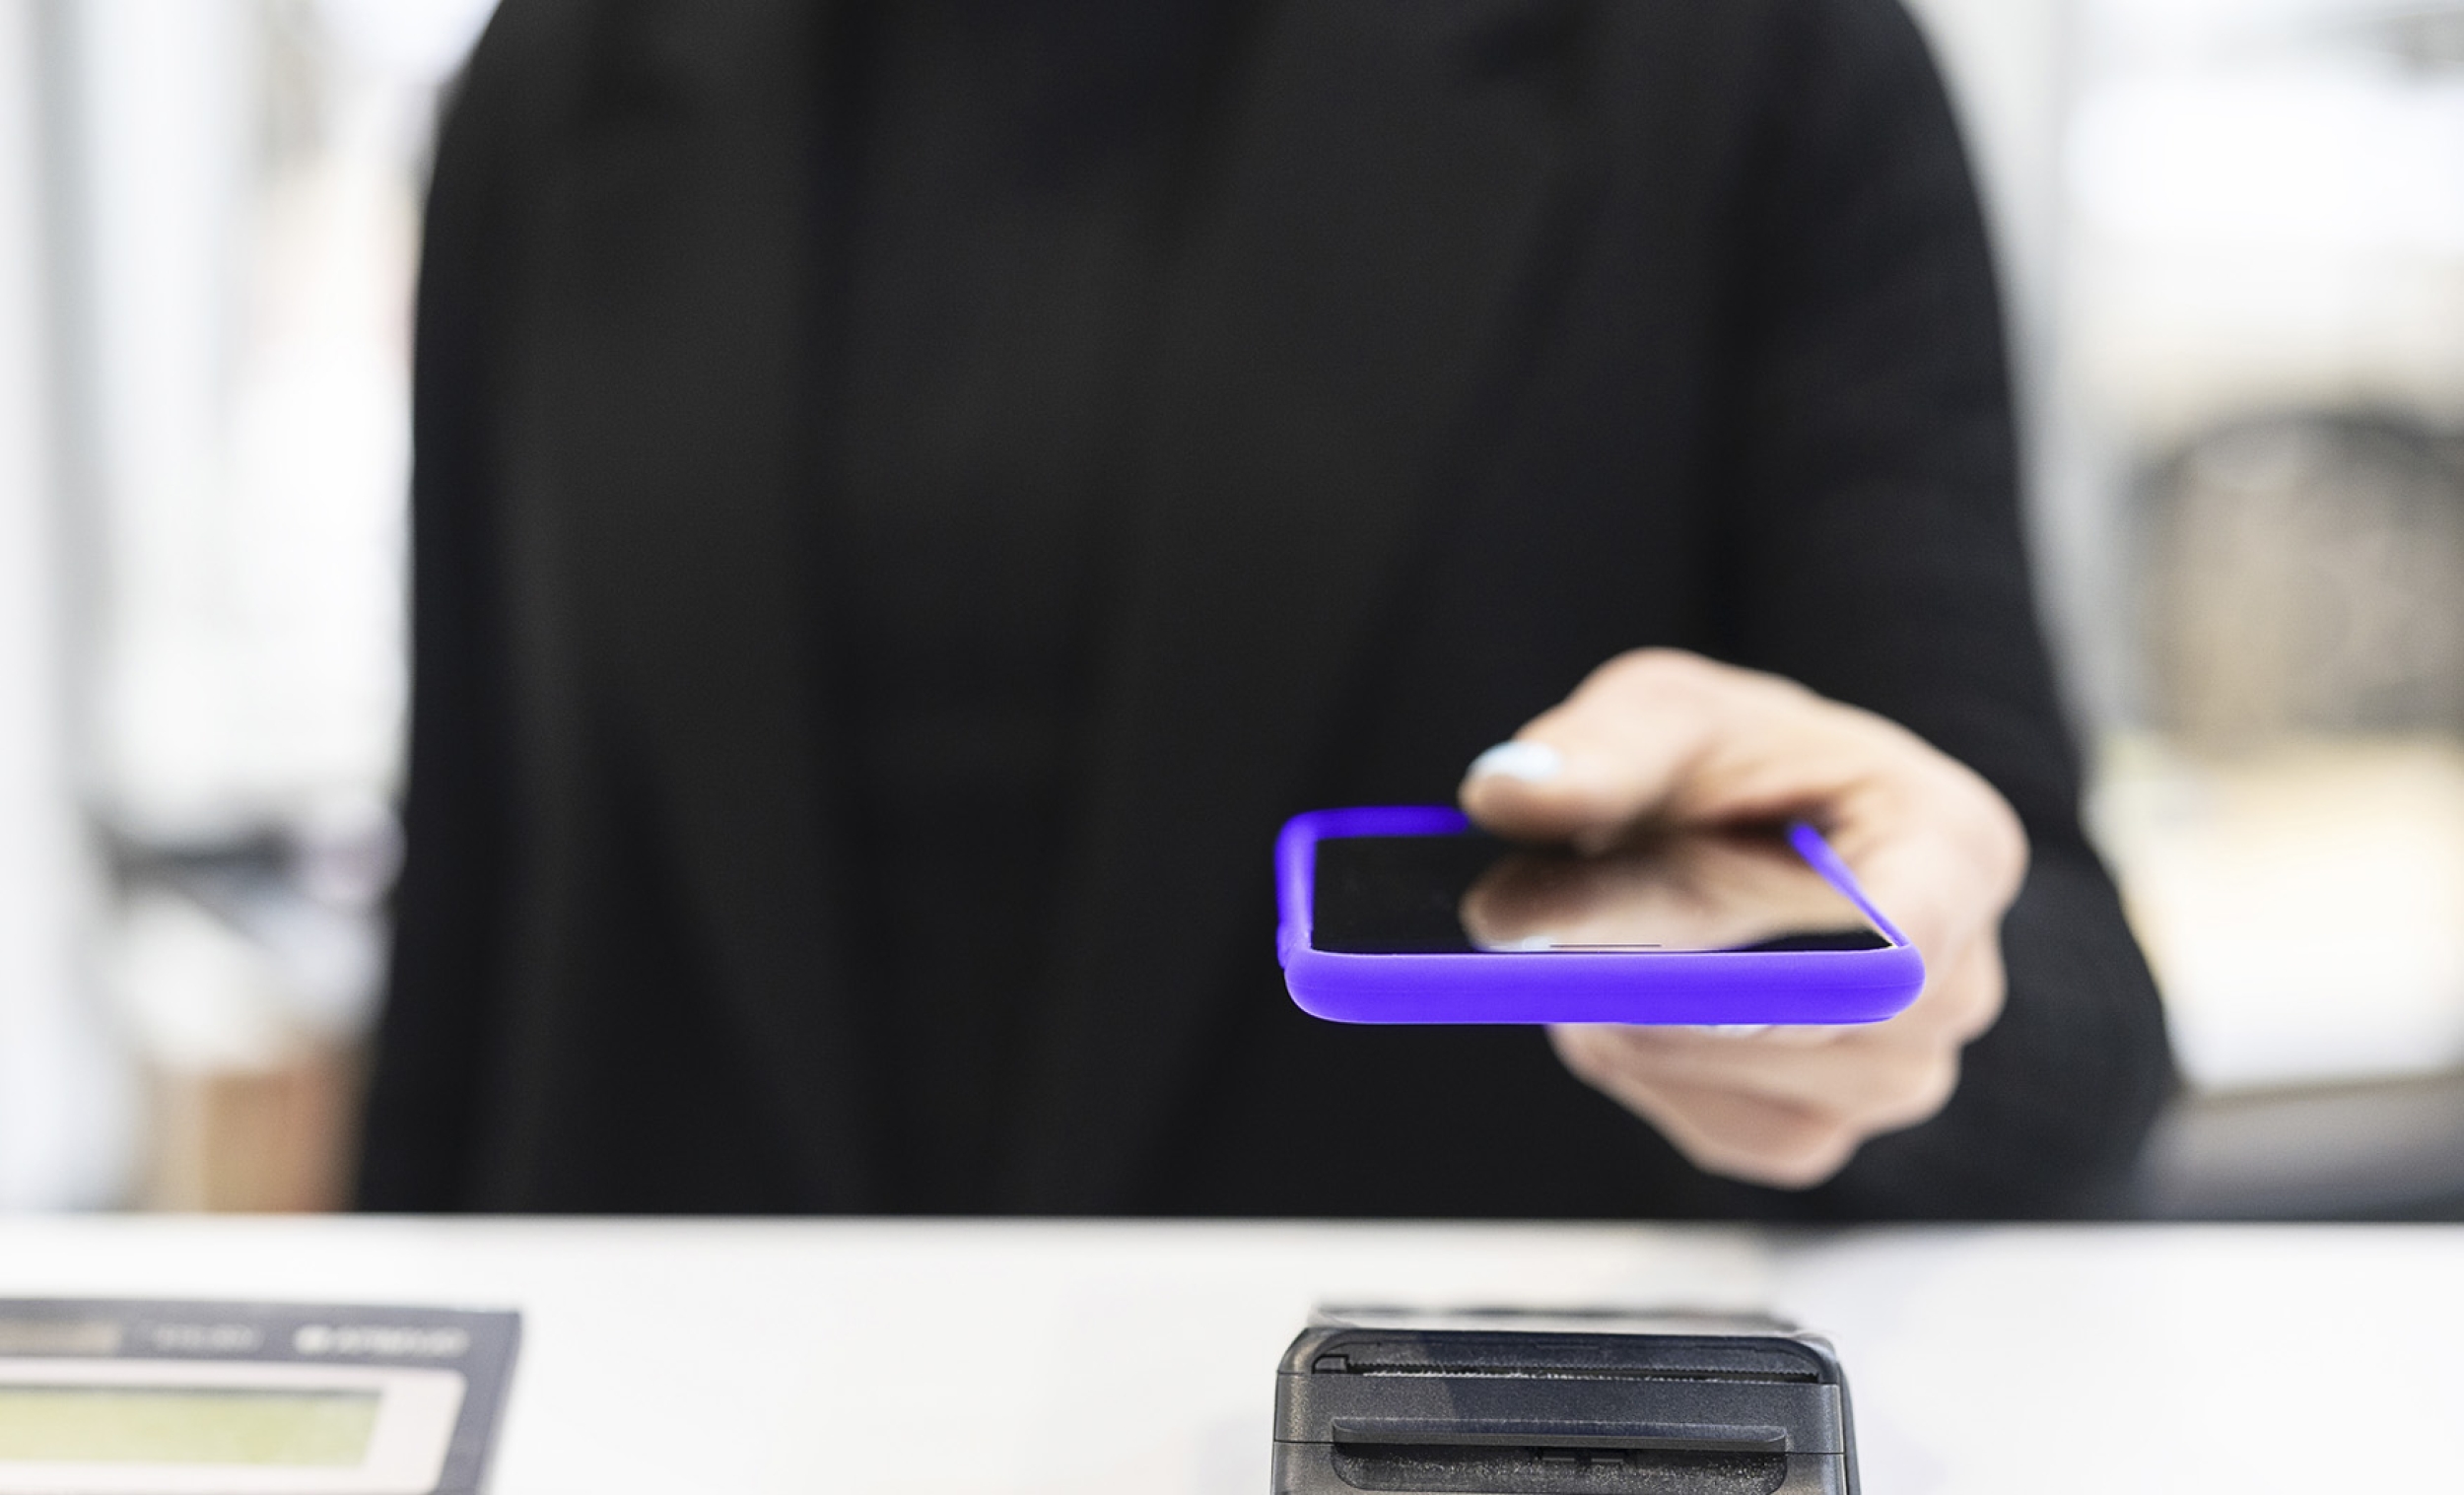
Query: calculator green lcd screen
x=91, y=1424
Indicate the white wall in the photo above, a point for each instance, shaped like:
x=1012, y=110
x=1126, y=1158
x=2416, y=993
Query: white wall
x=62, y=1100
x=2012, y=66
x=2006, y=61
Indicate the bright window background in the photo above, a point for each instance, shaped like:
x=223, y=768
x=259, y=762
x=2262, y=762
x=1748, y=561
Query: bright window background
x=2262, y=331
x=229, y=220
x=63, y=1101
x=2234, y=236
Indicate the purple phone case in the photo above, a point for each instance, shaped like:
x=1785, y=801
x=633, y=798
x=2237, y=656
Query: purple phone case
x=1576, y=987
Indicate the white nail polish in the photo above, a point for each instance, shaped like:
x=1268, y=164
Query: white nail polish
x=1529, y=762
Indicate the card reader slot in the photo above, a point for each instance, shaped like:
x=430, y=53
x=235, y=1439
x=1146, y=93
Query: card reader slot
x=1695, y=1437
x=1556, y=1468
x=1374, y=1353
x=1730, y=1415
x=1345, y=1365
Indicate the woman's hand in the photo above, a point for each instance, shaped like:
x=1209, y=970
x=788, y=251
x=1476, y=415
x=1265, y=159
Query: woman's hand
x=1673, y=738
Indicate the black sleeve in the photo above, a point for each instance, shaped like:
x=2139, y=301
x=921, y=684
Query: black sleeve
x=1876, y=556
x=425, y=1083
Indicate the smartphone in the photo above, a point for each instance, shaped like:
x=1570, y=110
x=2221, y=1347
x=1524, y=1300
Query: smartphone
x=1408, y=915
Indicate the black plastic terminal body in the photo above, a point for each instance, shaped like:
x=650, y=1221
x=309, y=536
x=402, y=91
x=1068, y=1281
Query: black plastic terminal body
x=1493, y=1404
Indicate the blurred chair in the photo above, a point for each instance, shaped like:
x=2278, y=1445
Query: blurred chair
x=2304, y=578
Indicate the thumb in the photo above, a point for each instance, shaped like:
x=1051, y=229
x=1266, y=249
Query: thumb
x=1611, y=755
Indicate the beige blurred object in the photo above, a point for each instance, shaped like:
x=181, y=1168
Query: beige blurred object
x=252, y=1091
x=257, y=1140
x=2302, y=903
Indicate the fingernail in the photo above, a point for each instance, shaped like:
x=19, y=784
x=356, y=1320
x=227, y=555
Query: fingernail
x=1524, y=943
x=1736, y=1029
x=1529, y=762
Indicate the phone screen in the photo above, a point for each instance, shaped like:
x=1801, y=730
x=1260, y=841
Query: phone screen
x=1475, y=893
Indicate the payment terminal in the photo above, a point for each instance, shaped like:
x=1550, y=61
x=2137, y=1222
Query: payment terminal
x=1510, y=1403
x=120, y=1397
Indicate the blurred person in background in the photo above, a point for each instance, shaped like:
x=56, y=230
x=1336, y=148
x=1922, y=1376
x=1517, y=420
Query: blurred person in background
x=910, y=497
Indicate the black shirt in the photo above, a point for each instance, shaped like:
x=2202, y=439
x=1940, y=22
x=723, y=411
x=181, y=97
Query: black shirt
x=1490, y=338
x=1010, y=185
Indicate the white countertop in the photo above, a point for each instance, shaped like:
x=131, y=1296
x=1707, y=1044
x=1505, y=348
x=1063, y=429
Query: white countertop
x=753, y=1357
